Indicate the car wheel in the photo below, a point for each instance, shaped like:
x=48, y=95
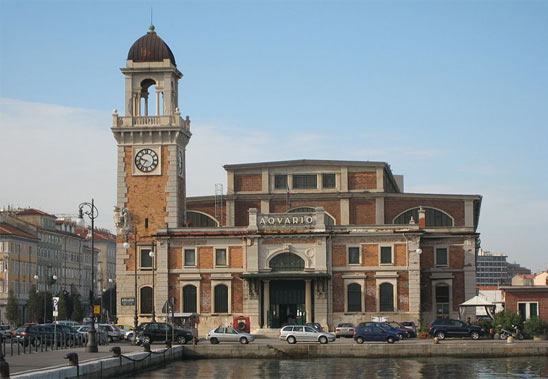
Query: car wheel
x=214, y=341
x=244, y=341
x=390, y=339
x=323, y=340
x=36, y=342
x=360, y=340
x=291, y=340
x=337, y=336
x=181, y=340
x=69, y=342
x=146, y=339
x=520, y=337
x=440, y=335
x=400, y=336
x=475, y=335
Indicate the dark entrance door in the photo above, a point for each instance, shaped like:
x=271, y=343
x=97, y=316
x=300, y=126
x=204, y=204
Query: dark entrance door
x=287, y=302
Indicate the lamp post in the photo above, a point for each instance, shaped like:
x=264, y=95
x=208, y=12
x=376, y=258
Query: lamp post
x=135, y=316
x=152, y=255
x=112, y=284
x=92, y=212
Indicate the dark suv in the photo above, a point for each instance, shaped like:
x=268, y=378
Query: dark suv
x=446, y=327
x=160, y=331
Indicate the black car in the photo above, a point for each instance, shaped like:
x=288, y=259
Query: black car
x=446, y=327
x=69, y=334
x=160, y=331
x=37, y=335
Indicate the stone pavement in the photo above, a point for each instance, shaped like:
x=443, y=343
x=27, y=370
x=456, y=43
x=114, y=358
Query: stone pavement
x=37, y=361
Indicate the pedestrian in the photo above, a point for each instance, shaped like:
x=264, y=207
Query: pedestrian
x=468, y=321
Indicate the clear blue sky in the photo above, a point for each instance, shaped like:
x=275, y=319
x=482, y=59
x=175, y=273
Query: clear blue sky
x=454, y=95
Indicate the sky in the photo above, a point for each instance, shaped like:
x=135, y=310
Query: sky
x=452, y=94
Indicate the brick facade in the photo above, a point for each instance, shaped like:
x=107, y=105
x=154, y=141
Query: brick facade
x=532, y=294
x=363, y=212
x=362, y=180
x=248, y=182
x=394, y=206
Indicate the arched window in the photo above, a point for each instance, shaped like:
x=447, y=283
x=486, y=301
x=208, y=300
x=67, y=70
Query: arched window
x=329, y=220
x=442, y=300
x=287, y=262
x=197, y=219
x=189, y=299
x=221, y=298
x=434, y=217
x=354, y=297
x=386, y=295
x=146, y=300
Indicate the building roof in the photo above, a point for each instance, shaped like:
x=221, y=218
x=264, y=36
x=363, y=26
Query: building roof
x=32, y=211
x=150, y=48
x=7, y=229
x=305, y=162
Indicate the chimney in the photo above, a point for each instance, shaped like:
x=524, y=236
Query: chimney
x=422, y=218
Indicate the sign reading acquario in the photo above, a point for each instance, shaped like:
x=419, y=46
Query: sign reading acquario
x=302, y=220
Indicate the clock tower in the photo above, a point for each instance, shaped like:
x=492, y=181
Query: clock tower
x=151, y=140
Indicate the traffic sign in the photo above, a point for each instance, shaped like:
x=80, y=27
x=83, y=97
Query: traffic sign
x=55, y=306
x=96, y=309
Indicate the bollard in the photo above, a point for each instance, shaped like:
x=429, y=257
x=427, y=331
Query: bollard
x=510, y=339
x=73, y=359
x=116, y=351
x=146, y=347
x=4, y=366
x=436, y=340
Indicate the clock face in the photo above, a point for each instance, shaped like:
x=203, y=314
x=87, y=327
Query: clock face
x=180, y=162
x=146, y=160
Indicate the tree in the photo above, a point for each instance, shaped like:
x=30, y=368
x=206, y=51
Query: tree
x=77, y=311
x=506, y=319
x=33, y=305
x=12, y=313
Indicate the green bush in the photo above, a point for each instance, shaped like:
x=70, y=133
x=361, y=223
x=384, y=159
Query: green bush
x=506, y=319
x=535, y=327
x=485, y=324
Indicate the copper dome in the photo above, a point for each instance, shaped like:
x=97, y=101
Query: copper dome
x=150, y=48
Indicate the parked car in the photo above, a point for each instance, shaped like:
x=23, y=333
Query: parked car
x=101, y=335
x=35, y=335
x=396, y=325
x=344, y=329
x=73, y=324
x=401, y=333
x=228, y=334
x=127, y=331
x=446, y=327
x=6, y=331
x=409, y=325
x=68, y=334
x=160, y=331
x=299, y=333
x=113, y=333
x=374, y=333
x=315, y=325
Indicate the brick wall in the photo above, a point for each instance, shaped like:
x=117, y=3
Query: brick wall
x=206, y=298
x=236, y=257
x=338, y=292
x=400, y=255
x=370, y=255
x=458, y=290
x=370, y=293
x=395, y=206
x=333, y=207
x=237, y=295
x=513, y=297
x=175, y=258
x=362, y=180
x=207, y=207
x=427, y=257
x=456, y=257
x=363, y=212
x=175, y=291
x=241, y=211
x=248, y=182
x=338, y=255
x=205, y=257
x=403, y=291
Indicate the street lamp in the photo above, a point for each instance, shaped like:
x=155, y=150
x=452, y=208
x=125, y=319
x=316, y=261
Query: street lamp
x=92, y=213
x=111, y=285
x=151, y=254
x=126, y=246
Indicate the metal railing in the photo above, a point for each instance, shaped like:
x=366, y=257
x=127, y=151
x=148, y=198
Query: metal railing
x=18, y=345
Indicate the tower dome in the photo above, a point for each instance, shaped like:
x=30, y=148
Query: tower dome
x=150, y=48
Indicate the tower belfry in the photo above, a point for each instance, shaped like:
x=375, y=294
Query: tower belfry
x=152, y=138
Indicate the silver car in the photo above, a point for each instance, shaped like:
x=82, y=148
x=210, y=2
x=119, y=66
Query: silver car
x=298, y=333
x=344, y=329
x=228, y=334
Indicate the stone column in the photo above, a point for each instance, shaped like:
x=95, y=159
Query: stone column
x=266, y=301
x=308, y=300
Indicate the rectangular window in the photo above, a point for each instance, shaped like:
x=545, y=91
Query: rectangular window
x=386, y=255
x=190, y=257
x=353, y=255
x=146, y=259
x=441, y=257
x=328, y=180
x=220, y=257
x=280, y=181
x=305, y=181
x=528, y=310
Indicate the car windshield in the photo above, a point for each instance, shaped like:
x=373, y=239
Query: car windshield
x=384, y=326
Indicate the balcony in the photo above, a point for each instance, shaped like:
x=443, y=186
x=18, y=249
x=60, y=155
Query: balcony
x=150, y=121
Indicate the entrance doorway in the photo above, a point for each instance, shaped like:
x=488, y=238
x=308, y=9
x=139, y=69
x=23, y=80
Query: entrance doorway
x=287, y=303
